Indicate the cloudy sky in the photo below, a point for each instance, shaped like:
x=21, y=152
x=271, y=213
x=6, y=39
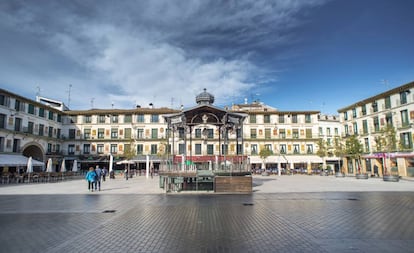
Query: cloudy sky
x=289, y=54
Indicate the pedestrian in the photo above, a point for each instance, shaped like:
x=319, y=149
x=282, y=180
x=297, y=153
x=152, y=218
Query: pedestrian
x=376, y=171
x=104, y=173
x=91, y=178
x=126, y=173
x=98, y=172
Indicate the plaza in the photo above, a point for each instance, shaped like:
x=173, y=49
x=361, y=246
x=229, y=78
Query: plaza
x=297, y=213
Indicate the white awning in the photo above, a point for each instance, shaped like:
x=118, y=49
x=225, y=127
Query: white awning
x=288, y=159
x=17, y=160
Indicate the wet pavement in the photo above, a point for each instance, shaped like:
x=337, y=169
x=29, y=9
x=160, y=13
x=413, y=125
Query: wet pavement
x=265, y=221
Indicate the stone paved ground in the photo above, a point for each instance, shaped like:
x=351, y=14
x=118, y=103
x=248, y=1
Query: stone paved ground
x=136, y=216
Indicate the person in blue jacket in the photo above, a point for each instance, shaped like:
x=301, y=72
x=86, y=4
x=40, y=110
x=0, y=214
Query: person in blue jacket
x=91, y=178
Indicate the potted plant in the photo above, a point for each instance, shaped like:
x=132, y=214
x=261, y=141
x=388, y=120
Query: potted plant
x=354, y=149
x=264, y=154
x=387, y=143
x=339, y=152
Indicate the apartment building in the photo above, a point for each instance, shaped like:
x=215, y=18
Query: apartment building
x=47, y=129
x=369, y=120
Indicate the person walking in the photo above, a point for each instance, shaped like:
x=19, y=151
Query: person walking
x=91, y=178
x=104, y=173
x=126, y=173
x=98, y=172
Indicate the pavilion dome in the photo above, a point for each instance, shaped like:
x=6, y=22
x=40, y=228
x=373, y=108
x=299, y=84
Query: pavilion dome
x=205, y=98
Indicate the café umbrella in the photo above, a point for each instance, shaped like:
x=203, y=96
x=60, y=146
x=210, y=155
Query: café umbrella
x=49, y=166
x=29, y=167
x=75, y=166
x=63, y=166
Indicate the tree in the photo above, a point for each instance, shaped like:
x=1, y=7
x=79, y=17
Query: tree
x=386, y=142
x=354, y=149
x=130, y=152
x=322, y=151
x=339, y=151
x=264, y=154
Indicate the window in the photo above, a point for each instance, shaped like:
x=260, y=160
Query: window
x=87, y=119
x=41, y=112
x=266, y=118
x=282, y=133
x=406, y=140
x=31, y=109
x=254, y=149
x=281, y=118
x=127, y=148
x=140, y=118
x=282, y=148
x=198, y=149
x=154, y=133
x=51, y=114
x=268, y=147
x=267, y=133
x=128, y=118
x=127, y=134
x=50, y=133
x=308, y=118
x=404, y=118
x=71, y=149
x=140, y=149
x=354, y=113
x=296, y=149
x=320, y=131
x=294, y=118
x=101, y=118
x=210, y=149
x=100, y=148
x=140, y=133
x=239, y=149
x=346, y=129
x=365, y=126
x=309, y=148
x=375, y=107
x=253, y=133
x=181, y=132
x=41, y=129
x=376, y=124
x=49, y=148
x=1, y=143
x=355, y=126
x=114, y=118
x=328, y=131
x=17, y=124
x=345, y=115
x=114, y=133
x=101, y=133
x=224, y=149
x=403, y=97
x=154, y=118
x=309, y=133
x=181, y=148
x=2, y=121
x=86, y=149
x=59, y=118
x=252, y=118
x=210, y=133
x=295, y=134
x=17, y=105
x=364, y=109
x=87, y=134
x=198, y=133
x=30, y=127
x=387, y=101
x=336, y=131
x=154, y=149
x=114, y=148
x=4, y=100
x=388, y=118
x=72, y=133
x=366, y=144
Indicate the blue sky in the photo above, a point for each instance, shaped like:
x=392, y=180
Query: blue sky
x=292, y=55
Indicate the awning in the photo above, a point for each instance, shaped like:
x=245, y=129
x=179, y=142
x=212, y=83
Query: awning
x=288, y=159
x=17, y=160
